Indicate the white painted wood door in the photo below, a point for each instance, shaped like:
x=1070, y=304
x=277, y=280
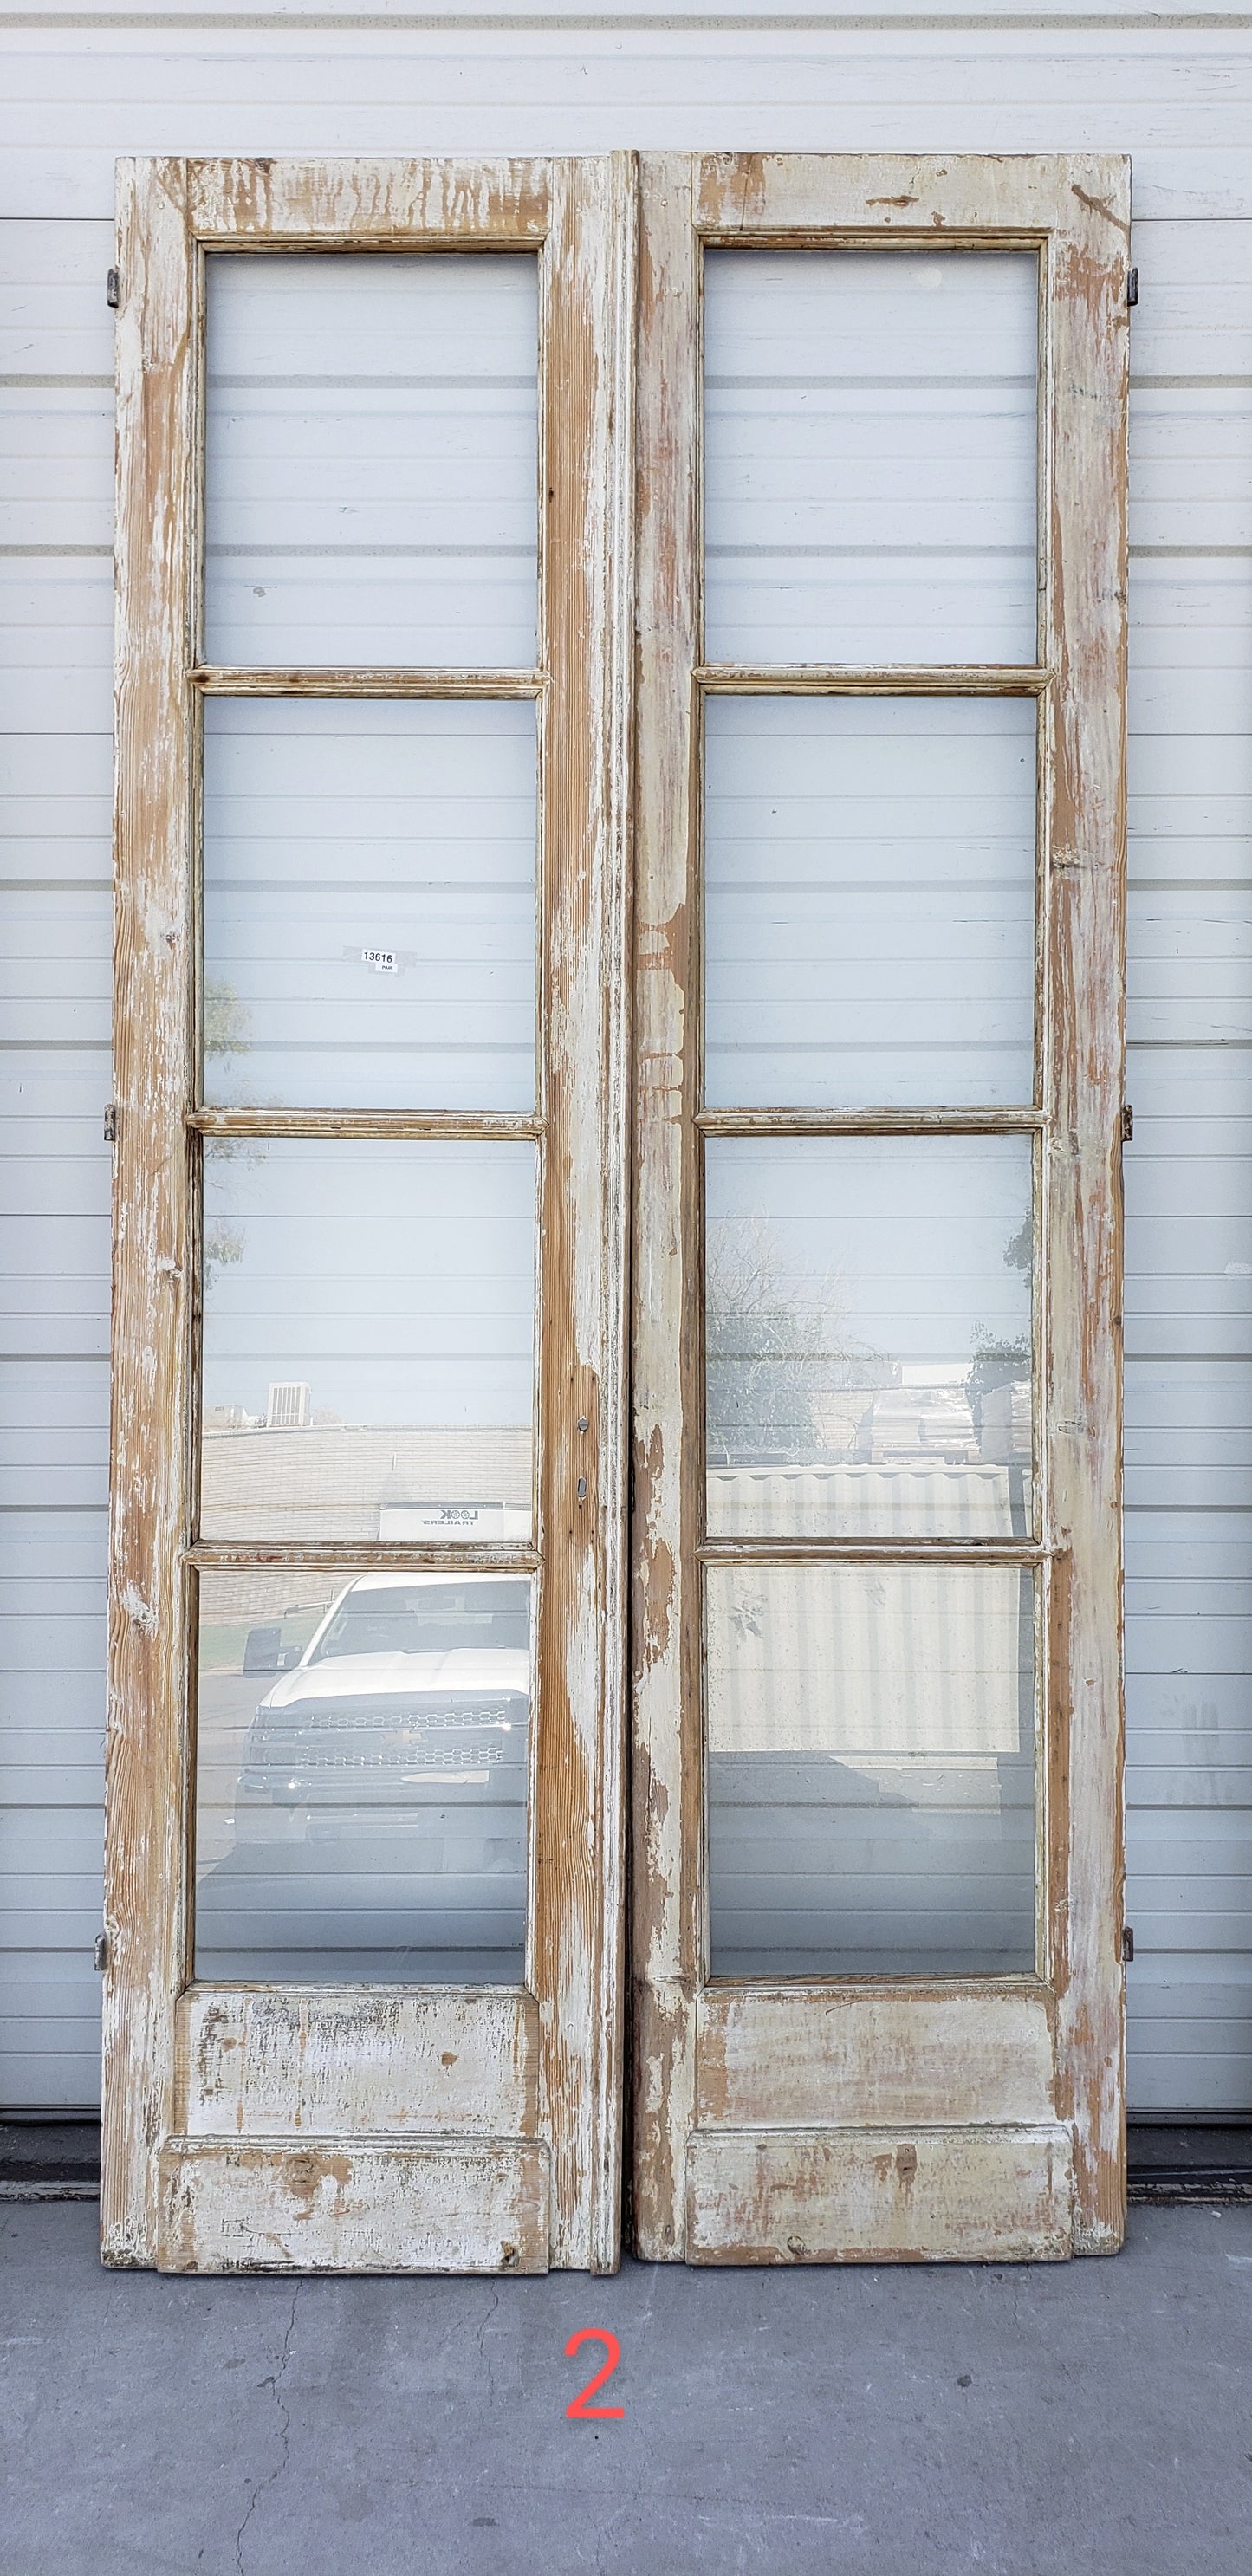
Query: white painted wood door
x=363, y=1914
x=878, y=1238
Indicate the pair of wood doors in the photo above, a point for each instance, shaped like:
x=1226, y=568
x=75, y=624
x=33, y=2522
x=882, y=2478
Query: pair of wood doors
x=620, y=859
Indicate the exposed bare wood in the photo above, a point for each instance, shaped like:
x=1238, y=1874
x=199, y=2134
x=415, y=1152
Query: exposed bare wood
x=869, y=1122
x=363, y=1124
x=905, y=2194
x=839, y=680
x=867, y=2056
x=333, y=2065
x=577, y=1933
x=981, y=201
x=321, y=2205
x=357, y=1556
x=1086, y=398
x=808, y=2054
x=217, y=680
x=872, y=1551
x=357, y=2062
x=368, y=204
x=145, y=1767
x=667, y=1822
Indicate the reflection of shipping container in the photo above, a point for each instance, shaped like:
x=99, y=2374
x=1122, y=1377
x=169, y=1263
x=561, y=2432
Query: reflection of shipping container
x=863, y=1660
x=960, y=1502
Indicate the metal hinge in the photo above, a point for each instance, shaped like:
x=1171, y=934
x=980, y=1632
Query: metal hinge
x=110, y=1123
x=1132, y=285
x=102, y=1952
x=1128, y=1944
x=113, y=288
x=1128, y=1122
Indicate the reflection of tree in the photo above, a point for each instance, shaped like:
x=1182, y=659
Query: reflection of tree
x=775, y=1347
x=998, y=1361
x=225, y=1019
x=223, y=1246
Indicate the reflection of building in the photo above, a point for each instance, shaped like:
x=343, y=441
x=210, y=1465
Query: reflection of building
x=338, y=1481
x=918, y=1422
x=289, y=1406
x=862, y=1661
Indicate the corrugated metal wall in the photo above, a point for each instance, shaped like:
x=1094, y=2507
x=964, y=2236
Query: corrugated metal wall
x=1177, y=94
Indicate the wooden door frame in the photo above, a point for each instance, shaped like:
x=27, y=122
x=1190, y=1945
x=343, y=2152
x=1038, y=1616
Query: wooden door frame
x=217, y=2154
x=985, y=2116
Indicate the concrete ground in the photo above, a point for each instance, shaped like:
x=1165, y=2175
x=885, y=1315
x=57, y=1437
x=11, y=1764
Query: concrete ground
x=1089, y=2419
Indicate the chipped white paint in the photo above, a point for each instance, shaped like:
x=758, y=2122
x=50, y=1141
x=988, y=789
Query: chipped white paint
x=803, y=2054
x=891, y=2195
x=207, y=2092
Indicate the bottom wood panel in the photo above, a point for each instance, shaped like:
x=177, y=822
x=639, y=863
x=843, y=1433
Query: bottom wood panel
x=375, y=2206
x=879, y=2195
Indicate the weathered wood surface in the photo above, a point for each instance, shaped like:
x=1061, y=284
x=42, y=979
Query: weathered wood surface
x=667, y=1829
x=772, y=2056
x=579, y=1897
x=1085, y=392
x=353, y=2062
x=146, y=1763
x=373, y=2206
x=376, y=201
x=566, y=2077
x=890, y=2195
x=1075, y=210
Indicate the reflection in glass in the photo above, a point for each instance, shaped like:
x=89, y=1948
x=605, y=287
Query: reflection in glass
x=870, y=456
x=361, y=1776
x=868, y=1336
x=369, y=903
x=371, y=459
x=870, y=1740
x=368, y=1340
x=869, y=901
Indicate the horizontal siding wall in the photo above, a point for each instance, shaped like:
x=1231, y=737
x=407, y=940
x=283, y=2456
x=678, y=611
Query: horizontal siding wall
x=1178, y=96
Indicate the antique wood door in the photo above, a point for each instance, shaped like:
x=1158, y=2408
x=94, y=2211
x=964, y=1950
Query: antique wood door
x=881, y=608
x=363, y=1947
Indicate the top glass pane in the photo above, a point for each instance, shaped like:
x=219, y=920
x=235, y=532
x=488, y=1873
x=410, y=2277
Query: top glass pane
x=371, y=459
x=870, y=456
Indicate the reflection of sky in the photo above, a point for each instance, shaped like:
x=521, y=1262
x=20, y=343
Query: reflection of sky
x=899, y=1243
x=396, y=1279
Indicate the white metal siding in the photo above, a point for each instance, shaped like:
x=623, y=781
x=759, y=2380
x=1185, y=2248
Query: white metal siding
x=1178, y=96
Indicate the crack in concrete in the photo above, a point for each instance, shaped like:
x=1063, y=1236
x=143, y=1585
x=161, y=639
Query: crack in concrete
x=273, y=2383
x=484, y=2364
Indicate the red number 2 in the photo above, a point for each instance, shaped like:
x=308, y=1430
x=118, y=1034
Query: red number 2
x=580, y=2410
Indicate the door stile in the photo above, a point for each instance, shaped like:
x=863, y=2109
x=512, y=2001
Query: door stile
x=146, y=1768
x=667, y=1930
x=1086, y=752
x=580, y=1823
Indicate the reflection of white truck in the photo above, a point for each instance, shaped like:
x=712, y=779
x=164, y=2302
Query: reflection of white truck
x=411, y=1682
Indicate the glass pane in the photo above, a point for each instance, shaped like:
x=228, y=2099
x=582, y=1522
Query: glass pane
x=870, y=1749
x=361, y=1776
x=369, y=903
x=371, y=459
x=870, y=456
x=868, y=1336
x=869, y=901
x=368, y=1340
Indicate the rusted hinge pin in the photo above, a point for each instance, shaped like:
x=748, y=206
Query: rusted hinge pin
x=1128, y=1944
x=110, y=1123
x=1128, y=1122
x=1132, y=286
x=113, y=288
x=102, y=1952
